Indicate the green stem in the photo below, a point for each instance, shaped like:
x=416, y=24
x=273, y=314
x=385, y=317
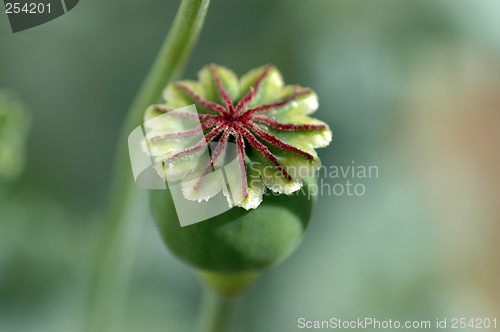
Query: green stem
x=221, y=292
x=124, y=214
x=216, y=312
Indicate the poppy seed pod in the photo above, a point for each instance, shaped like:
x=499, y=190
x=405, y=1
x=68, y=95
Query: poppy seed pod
x=274, y=139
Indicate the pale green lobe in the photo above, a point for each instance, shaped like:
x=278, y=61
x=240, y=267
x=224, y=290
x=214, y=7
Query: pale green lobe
x=256, y=188
x=155, y=125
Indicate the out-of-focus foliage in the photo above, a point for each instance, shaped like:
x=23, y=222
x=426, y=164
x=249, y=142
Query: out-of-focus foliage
x=15, y=122
x=408, y=86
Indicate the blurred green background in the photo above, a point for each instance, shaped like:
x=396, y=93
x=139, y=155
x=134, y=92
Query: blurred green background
x=412, y=87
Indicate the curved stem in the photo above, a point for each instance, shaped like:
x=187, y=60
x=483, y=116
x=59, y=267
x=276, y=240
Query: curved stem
x=216, y=312
x=124, y=214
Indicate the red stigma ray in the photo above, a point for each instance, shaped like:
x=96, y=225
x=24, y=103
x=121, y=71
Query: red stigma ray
x=216, y=154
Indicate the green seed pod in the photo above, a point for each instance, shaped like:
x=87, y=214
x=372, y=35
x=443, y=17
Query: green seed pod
x=274, y=141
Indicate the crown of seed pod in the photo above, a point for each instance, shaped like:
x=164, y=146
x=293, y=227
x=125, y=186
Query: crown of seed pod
x=275, y=141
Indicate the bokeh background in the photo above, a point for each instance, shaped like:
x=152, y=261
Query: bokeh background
x=412, y=87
